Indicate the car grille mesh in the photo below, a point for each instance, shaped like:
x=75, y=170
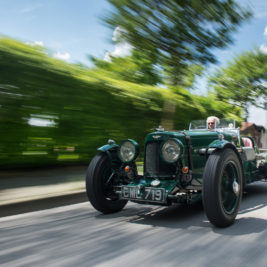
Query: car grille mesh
x=154, y=165
x=152, y=153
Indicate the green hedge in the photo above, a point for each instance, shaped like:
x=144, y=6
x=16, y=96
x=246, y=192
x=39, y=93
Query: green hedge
x=83, y=108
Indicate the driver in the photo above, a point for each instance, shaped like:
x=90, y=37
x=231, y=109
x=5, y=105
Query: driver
x=212, y=121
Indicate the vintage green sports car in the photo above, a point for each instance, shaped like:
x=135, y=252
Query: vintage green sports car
x=179, y=167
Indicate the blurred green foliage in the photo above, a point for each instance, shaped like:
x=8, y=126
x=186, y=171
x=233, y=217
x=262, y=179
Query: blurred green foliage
x=243, y=81
x=136, y=68
x=52, y=112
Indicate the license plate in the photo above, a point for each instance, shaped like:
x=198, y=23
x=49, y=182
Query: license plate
x=146, y=194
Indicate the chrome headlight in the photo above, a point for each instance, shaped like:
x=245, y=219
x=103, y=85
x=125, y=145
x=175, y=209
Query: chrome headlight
x=128, y=150
x=171, y=150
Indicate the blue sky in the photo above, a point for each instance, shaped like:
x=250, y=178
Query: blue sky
x=250, y=34
x=64, y=26
x=73, y=29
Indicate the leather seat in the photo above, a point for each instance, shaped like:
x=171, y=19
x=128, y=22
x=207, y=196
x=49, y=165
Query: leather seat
x=247, y=142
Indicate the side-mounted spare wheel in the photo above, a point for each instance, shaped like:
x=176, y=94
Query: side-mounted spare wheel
x=222, y=187
x=99, y=191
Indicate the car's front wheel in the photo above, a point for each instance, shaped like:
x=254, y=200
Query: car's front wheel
x=99, y=186
x=222, y=187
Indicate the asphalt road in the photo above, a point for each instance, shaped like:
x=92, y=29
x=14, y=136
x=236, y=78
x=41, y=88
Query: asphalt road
x=77, y=235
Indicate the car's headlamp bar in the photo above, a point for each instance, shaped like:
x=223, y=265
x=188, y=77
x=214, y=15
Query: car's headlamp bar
x=171, y=150
x=128, y=151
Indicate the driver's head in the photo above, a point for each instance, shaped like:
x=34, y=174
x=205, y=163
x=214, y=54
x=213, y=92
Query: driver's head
x=212, y=121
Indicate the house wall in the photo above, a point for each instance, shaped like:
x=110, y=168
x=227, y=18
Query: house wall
x=264, y=139
x=258, y=133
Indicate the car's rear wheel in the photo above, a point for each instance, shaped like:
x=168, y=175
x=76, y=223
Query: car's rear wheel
x=100, y=184
x=222, y=187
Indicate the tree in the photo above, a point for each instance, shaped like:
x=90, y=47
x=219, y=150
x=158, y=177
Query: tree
x=243, y=81
x=136, y=68
x=187, y=78
x=177, y=33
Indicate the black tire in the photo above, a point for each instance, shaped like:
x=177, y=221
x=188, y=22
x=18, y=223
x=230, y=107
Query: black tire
x=221, y=199
x=101, y=197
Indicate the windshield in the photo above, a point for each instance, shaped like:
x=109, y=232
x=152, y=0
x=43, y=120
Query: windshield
x=222, y=124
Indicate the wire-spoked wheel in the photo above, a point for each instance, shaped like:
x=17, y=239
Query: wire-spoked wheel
x=99, y=186
x=222, y=187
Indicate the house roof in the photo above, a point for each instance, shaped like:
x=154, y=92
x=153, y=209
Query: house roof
x=246, y=125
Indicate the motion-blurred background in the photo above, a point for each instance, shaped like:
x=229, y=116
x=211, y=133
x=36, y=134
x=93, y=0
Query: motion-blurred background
x=74, y=74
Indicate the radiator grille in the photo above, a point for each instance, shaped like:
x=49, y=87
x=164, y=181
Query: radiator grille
x=152, y=158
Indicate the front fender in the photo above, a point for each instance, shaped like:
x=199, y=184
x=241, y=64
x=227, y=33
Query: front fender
x=107, y=147
x=109, y=150
x=220, y=144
